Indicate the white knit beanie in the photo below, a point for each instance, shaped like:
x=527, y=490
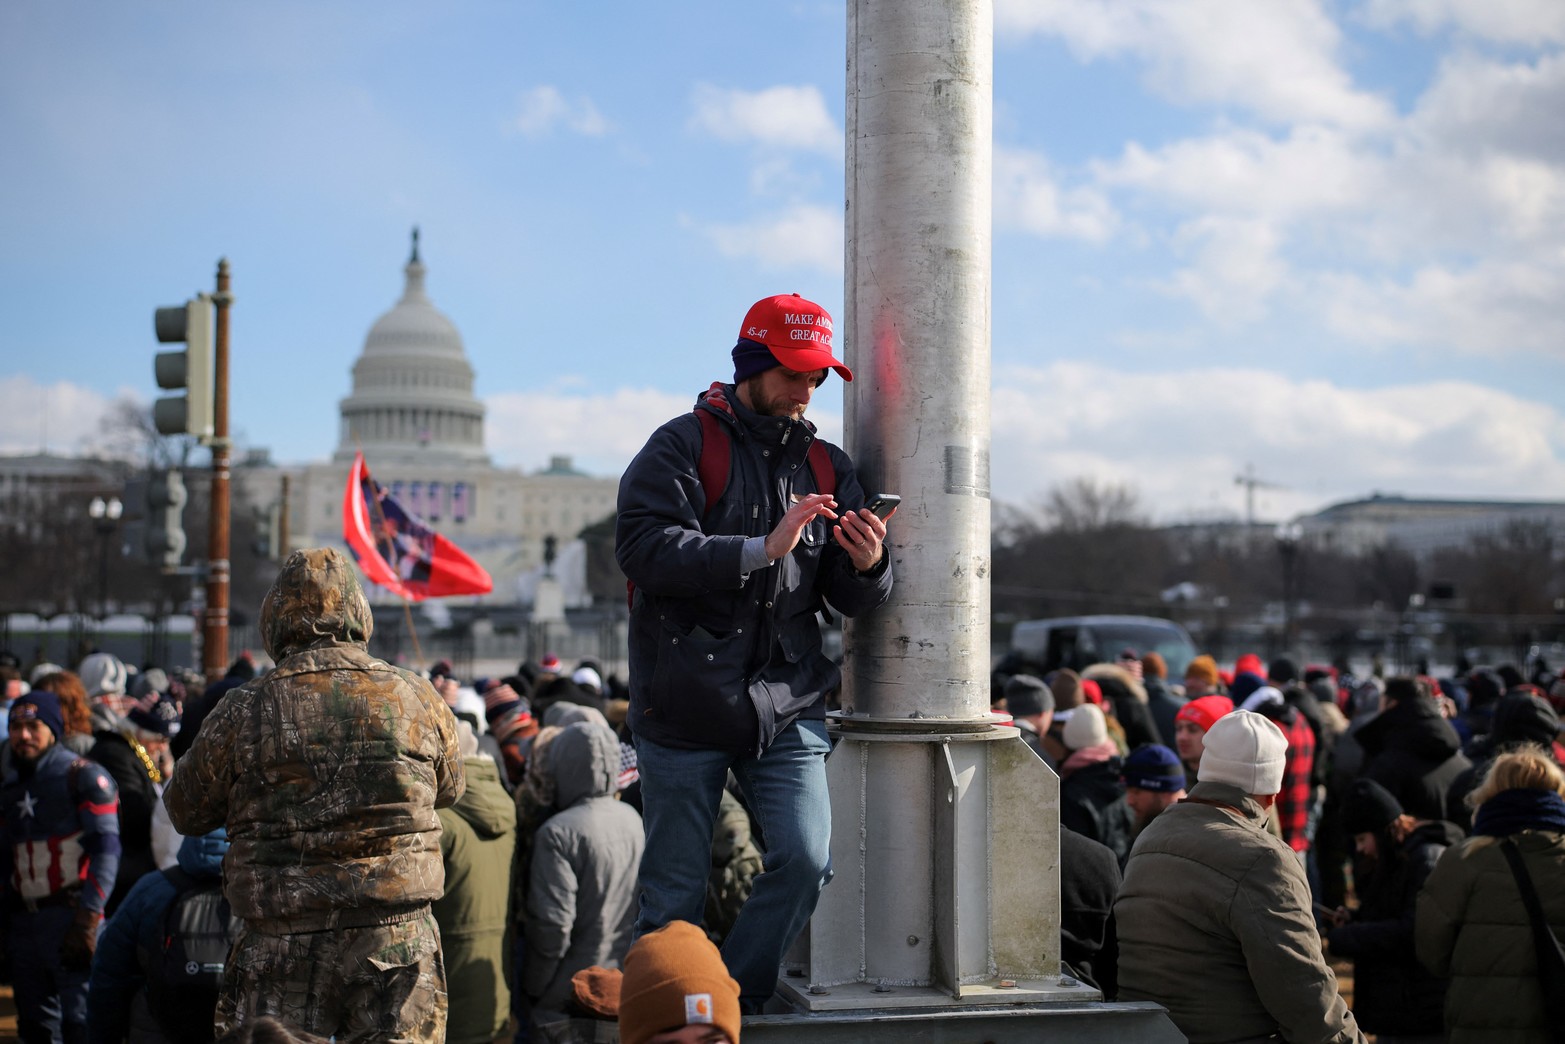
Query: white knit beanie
x=1085, y=727
x=1245, y=750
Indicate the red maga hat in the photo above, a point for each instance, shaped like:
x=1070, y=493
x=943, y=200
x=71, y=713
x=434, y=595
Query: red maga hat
x=796, y=331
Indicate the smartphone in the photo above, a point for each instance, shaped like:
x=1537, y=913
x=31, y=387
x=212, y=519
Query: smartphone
x=883, y=504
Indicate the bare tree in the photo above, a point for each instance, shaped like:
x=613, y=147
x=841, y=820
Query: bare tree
x=1084, y=505
x=1093, y=551
x=127, y=433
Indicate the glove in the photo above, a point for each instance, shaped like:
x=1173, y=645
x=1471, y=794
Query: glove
x=81, y=940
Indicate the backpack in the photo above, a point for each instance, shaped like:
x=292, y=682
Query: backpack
x=185, y=973
x=716, y=463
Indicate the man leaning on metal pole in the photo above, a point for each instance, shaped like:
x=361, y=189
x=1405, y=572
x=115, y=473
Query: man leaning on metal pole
x=729, y=567
x=327, y=772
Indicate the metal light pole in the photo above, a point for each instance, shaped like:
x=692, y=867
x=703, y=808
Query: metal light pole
x=214, y=634
x=1288, y=535
x=945, y=837
x=105, y=515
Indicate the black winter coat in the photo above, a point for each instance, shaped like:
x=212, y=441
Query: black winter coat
x=1092, y=803
x=1164, y=707
x=138, y=796
x=1089, y=881
x=1392, y=992
x=1415, y=753
x=721, y=659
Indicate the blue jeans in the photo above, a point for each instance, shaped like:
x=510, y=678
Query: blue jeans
x=785, y=789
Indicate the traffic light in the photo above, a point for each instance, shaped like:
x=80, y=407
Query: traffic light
x=165, y=526
x=189, y=369
x=266, y=532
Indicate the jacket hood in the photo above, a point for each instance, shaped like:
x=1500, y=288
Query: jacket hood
x=723, y=400
x=586, y=763
x=1113, y=674
x=1435, y=832
x=567, y=714
x=1415, y=726
x=316, y=600
x=485, y=805
x=202, y=856
x=1521, y=717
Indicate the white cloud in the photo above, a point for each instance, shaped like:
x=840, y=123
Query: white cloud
x=804, y=235
x=1314, y=440
x=1311, y=170
x=1502, y=21
x=1477, y=103
x=1317, y=441
x=603, y=431
x=62, y=417
x=1028, y=195
x=1277, y=59
x=1437, y=231
x=1489, y=308
x=784, y=117
x=544, y=109
x=1235, y=268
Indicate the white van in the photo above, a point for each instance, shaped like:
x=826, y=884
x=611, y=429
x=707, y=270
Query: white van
x=1079, y=641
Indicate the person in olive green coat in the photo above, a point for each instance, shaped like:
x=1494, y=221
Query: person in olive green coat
x=478, y=844
x=1471, y=924
x=1214, y=917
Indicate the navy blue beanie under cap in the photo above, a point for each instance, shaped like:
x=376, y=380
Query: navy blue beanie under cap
x=751, y=358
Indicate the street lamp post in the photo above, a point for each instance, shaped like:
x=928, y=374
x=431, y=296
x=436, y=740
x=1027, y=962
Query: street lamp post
x=105, y=515
x=1288, y=534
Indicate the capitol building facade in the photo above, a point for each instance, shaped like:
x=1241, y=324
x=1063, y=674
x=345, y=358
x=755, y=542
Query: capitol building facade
x=413, y=414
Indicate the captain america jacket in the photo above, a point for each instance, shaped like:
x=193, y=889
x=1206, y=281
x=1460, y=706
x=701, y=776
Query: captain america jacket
x=59, y=829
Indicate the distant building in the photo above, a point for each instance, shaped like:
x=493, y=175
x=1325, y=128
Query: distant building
x=41, y=487
x=1420, y=526
x=413, y=413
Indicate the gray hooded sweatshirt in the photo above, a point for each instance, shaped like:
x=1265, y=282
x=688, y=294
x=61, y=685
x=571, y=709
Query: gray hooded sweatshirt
x=581, y=889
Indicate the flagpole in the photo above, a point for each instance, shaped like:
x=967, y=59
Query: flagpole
x=380, y=525
x=407, y=614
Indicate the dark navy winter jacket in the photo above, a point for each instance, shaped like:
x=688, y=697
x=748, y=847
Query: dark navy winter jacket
x=116, y=1007
x=720, y=659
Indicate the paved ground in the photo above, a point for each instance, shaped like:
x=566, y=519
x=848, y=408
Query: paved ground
x=1343, y=969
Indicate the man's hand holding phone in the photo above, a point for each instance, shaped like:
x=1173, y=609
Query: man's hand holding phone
x=862, y=533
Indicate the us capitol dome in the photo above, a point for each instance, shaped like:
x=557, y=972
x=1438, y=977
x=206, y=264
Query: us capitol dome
x=412, y=394
x=413, y=414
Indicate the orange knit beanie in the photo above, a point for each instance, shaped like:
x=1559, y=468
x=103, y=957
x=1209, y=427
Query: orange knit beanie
x=674, y=977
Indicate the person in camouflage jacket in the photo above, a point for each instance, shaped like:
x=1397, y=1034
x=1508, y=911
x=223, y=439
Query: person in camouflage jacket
x=736, y=863
x=327, y=772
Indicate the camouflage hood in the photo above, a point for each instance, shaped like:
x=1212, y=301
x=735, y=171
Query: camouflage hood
x=315, y=600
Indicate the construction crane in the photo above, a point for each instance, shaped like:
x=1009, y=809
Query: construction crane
x=1251, y=484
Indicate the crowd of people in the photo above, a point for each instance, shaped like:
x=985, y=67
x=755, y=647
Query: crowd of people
x=117, y=807
x=1247, y=826
x=335, y=847
x=1303, y=815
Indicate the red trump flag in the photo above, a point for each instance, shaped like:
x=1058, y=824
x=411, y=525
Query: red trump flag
x=397, y=550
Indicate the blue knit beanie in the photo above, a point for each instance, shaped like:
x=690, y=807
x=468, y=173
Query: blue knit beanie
x=1153, y=767
x=39, y=705
x=751, y=358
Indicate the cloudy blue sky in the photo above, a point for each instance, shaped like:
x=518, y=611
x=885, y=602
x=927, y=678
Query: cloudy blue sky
x=1322, y=238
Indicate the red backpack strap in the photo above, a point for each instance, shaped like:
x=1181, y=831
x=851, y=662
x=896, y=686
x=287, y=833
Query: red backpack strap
x=716, y=456
x=821, y=467
x=711, y=469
